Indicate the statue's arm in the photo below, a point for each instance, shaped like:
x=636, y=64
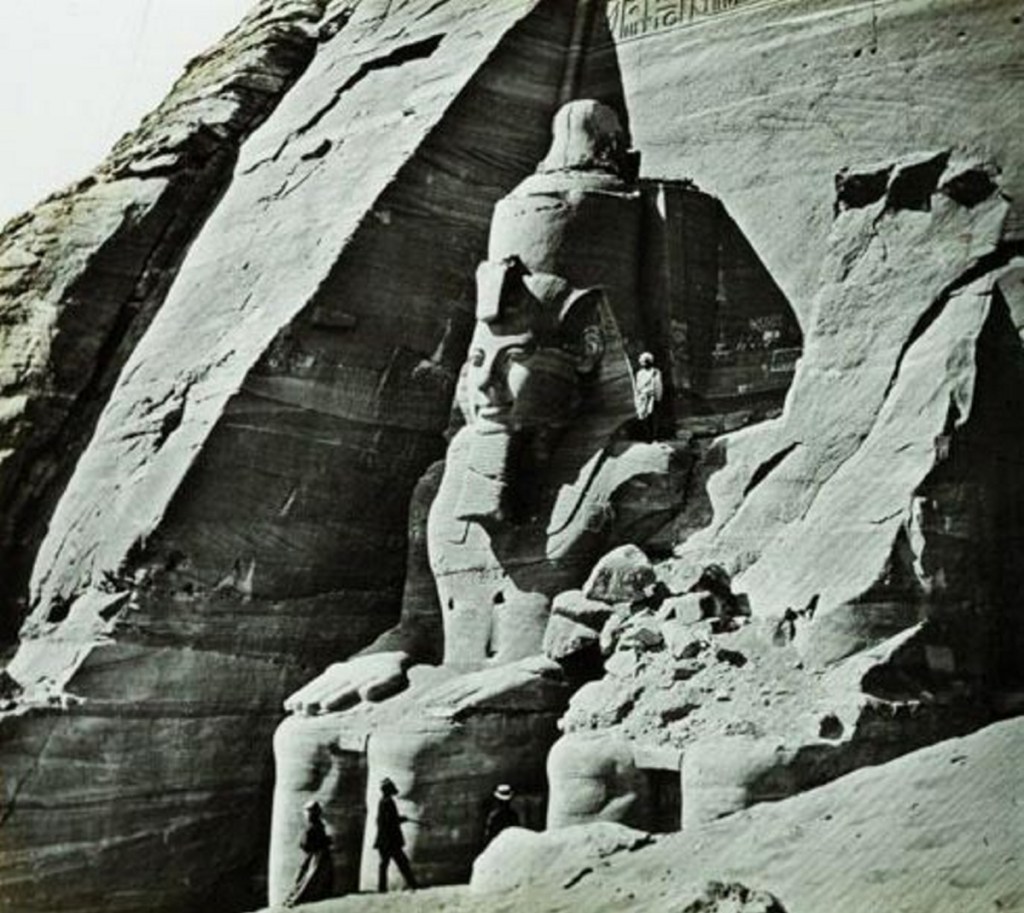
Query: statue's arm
x=379, y=669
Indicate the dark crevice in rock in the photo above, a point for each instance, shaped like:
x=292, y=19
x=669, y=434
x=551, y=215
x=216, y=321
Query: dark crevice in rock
x=762, y=472
x=719, y=898
x=855, y=190
x=830, y=727
x=169, y=424
x=431, y=9
x=319, y=152
x=913, y=184
x=971, y=523
x=971, y=186
x=989, y=263
x=59, y=609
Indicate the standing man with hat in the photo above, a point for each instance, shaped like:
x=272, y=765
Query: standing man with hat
x=501, y=815
x=389, y=840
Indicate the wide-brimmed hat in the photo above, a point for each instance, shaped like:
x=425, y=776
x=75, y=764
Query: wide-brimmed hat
x=503, y=792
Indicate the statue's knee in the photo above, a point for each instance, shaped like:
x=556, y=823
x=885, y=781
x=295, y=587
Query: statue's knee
x=303, y=749
x=725, y=775
x=594, y=777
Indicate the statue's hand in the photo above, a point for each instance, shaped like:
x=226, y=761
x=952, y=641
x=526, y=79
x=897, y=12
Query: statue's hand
x=339, y=686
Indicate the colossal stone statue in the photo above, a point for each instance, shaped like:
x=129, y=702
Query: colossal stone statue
x=537, y=483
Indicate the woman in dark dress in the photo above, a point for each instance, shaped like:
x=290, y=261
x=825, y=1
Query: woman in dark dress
x=315, y=878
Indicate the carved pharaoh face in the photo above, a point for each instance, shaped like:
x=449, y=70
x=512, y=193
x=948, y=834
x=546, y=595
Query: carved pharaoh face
x=535, y=338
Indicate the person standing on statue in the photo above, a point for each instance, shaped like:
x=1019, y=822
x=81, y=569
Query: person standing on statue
x=390, y=842
x=647, y=393
x=501, y=815
x=315, y=878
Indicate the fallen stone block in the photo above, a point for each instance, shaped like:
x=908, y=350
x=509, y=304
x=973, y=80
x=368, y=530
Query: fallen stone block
x=623, y=575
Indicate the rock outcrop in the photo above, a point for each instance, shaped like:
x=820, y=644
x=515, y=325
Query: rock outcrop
x=518, y=857
x=83, y=274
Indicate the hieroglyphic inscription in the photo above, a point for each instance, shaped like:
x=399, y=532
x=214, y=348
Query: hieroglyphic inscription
x=636, y=18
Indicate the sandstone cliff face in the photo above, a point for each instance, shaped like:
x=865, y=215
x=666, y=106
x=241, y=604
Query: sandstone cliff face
x=239, y=516
x=771, y=100
x=284, y=332
x=82, y=275
x=894, y=361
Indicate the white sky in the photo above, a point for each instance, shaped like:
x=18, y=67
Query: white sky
x=76, y=74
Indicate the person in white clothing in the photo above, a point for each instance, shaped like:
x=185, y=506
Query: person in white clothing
x=647, y=392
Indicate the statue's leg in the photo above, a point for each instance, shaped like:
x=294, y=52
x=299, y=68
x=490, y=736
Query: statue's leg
x=447, y=766
x=310, y=765
x=593, y=777
x=729, y=773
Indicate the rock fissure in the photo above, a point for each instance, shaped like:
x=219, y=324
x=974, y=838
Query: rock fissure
x=763, y=470
x=994, y=261
x=416, y=50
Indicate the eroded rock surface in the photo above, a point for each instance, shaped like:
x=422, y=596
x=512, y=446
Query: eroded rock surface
x=83, y=274
x=518, y=857
x=771, y=101
x=239, y=517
